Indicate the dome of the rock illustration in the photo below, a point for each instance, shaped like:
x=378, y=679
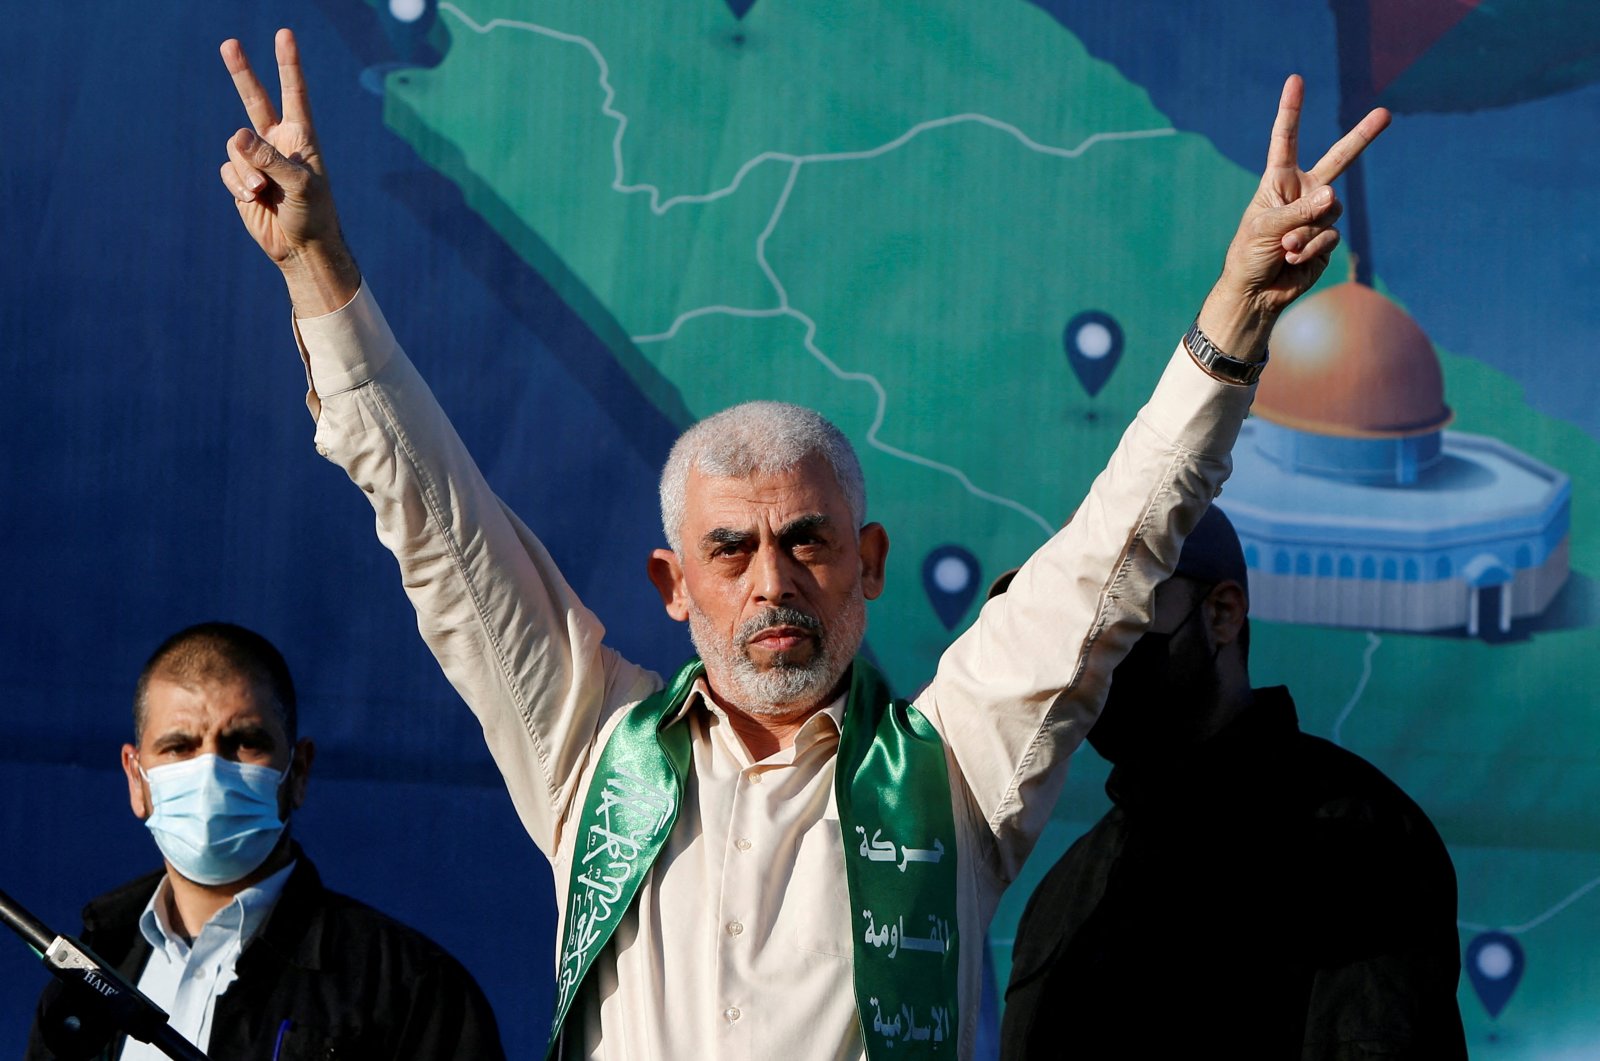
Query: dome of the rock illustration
x=1349, y=362
x=1357, y=507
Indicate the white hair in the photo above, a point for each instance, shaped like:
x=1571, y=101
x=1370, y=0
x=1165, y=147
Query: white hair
x=757, y=438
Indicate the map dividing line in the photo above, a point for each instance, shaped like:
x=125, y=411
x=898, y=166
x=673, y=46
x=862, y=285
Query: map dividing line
x=1373, y=641
x=658, y=206
x=1517, y=930
x=872, y=381
x=709, y=311
x=766, y=234
x=784, y=309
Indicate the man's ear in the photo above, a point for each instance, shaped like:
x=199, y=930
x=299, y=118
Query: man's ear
x=874, y=555
x=138, y=792
x=1226, y=608
x=305, y=751
x=666, y=574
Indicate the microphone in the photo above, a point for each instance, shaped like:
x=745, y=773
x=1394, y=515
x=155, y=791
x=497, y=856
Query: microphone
x=91, y=1001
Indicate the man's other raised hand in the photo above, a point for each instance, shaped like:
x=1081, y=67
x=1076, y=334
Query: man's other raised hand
x=1286, y=235
x=279, y=183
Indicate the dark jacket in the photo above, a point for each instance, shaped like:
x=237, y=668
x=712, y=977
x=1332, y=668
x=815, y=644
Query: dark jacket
x=333, y=976
x=1266, y=895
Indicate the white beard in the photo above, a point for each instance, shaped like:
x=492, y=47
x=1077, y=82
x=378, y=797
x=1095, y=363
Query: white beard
x=785, y=686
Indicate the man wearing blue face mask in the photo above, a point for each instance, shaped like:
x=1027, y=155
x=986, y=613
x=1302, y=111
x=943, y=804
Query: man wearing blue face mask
x=237, y=939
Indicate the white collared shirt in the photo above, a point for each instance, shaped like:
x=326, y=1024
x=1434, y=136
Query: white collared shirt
x=185, y=978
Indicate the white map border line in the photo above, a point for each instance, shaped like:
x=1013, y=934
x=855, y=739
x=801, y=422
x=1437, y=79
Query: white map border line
x=1526, y=926
x=872, y=381
x=796, y=161
x=784, y=308
x=658, y=207
x=1373, y=641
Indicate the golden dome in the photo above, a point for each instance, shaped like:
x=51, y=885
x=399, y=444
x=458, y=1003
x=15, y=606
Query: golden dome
x=1349, y=362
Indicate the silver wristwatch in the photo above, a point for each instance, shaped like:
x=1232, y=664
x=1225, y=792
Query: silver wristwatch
x=1219, y=364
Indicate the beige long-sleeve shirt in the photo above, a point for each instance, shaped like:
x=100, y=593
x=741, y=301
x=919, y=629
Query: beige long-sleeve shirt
x=738, y=945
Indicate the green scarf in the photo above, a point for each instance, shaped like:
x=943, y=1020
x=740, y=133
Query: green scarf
x=893, y=792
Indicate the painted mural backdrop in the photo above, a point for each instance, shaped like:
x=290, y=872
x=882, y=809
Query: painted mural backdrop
x=969, y=233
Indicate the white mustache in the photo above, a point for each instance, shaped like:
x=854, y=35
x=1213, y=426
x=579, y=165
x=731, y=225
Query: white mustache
x=777, y=617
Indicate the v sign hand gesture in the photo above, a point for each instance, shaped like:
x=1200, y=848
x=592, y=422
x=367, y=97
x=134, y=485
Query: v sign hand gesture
x=1286, y=234
x=276, y=173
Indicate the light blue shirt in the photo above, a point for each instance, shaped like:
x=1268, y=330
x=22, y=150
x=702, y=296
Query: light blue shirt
x=186, y=979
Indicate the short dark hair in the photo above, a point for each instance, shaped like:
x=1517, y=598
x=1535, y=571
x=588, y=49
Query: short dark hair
x=219, y=652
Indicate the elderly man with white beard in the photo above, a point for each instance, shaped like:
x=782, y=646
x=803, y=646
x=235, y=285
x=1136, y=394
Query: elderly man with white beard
x=767, y=855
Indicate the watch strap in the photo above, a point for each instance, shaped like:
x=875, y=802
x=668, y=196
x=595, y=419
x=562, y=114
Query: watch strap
x=1217, y=364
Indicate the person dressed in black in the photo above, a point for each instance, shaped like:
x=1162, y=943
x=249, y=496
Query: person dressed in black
x=1254, y=891
x=237, y=939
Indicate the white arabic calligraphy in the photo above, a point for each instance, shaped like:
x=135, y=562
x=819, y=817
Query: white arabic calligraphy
x=887, y=1028
x=641, y=810
x=918, y=854
x=887, y=936
x=904, y=1026
x=937, y=941
x=892, y=934
x=881, y=850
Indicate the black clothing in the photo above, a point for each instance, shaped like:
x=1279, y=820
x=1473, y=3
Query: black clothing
x=1265, y=894
x=333, y=976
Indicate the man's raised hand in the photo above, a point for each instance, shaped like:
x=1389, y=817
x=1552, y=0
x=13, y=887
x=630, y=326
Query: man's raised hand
x=1286, y=235
x=276, y=175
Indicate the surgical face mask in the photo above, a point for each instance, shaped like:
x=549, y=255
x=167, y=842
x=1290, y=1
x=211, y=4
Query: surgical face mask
x=213, y=819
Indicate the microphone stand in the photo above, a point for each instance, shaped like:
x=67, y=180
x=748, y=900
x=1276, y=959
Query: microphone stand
x=75, y=965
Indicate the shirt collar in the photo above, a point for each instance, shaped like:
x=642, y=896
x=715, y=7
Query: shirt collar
x=815, y=727
x=246, y=913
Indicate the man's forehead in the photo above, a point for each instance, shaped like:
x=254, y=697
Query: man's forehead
x=807, y=489
x=178, y=705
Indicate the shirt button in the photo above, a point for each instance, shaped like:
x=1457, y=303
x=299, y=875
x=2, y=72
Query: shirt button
x=735, y=928
x=732, y=1014
x=755, y=778
x=742, y=844
x=200, y=974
